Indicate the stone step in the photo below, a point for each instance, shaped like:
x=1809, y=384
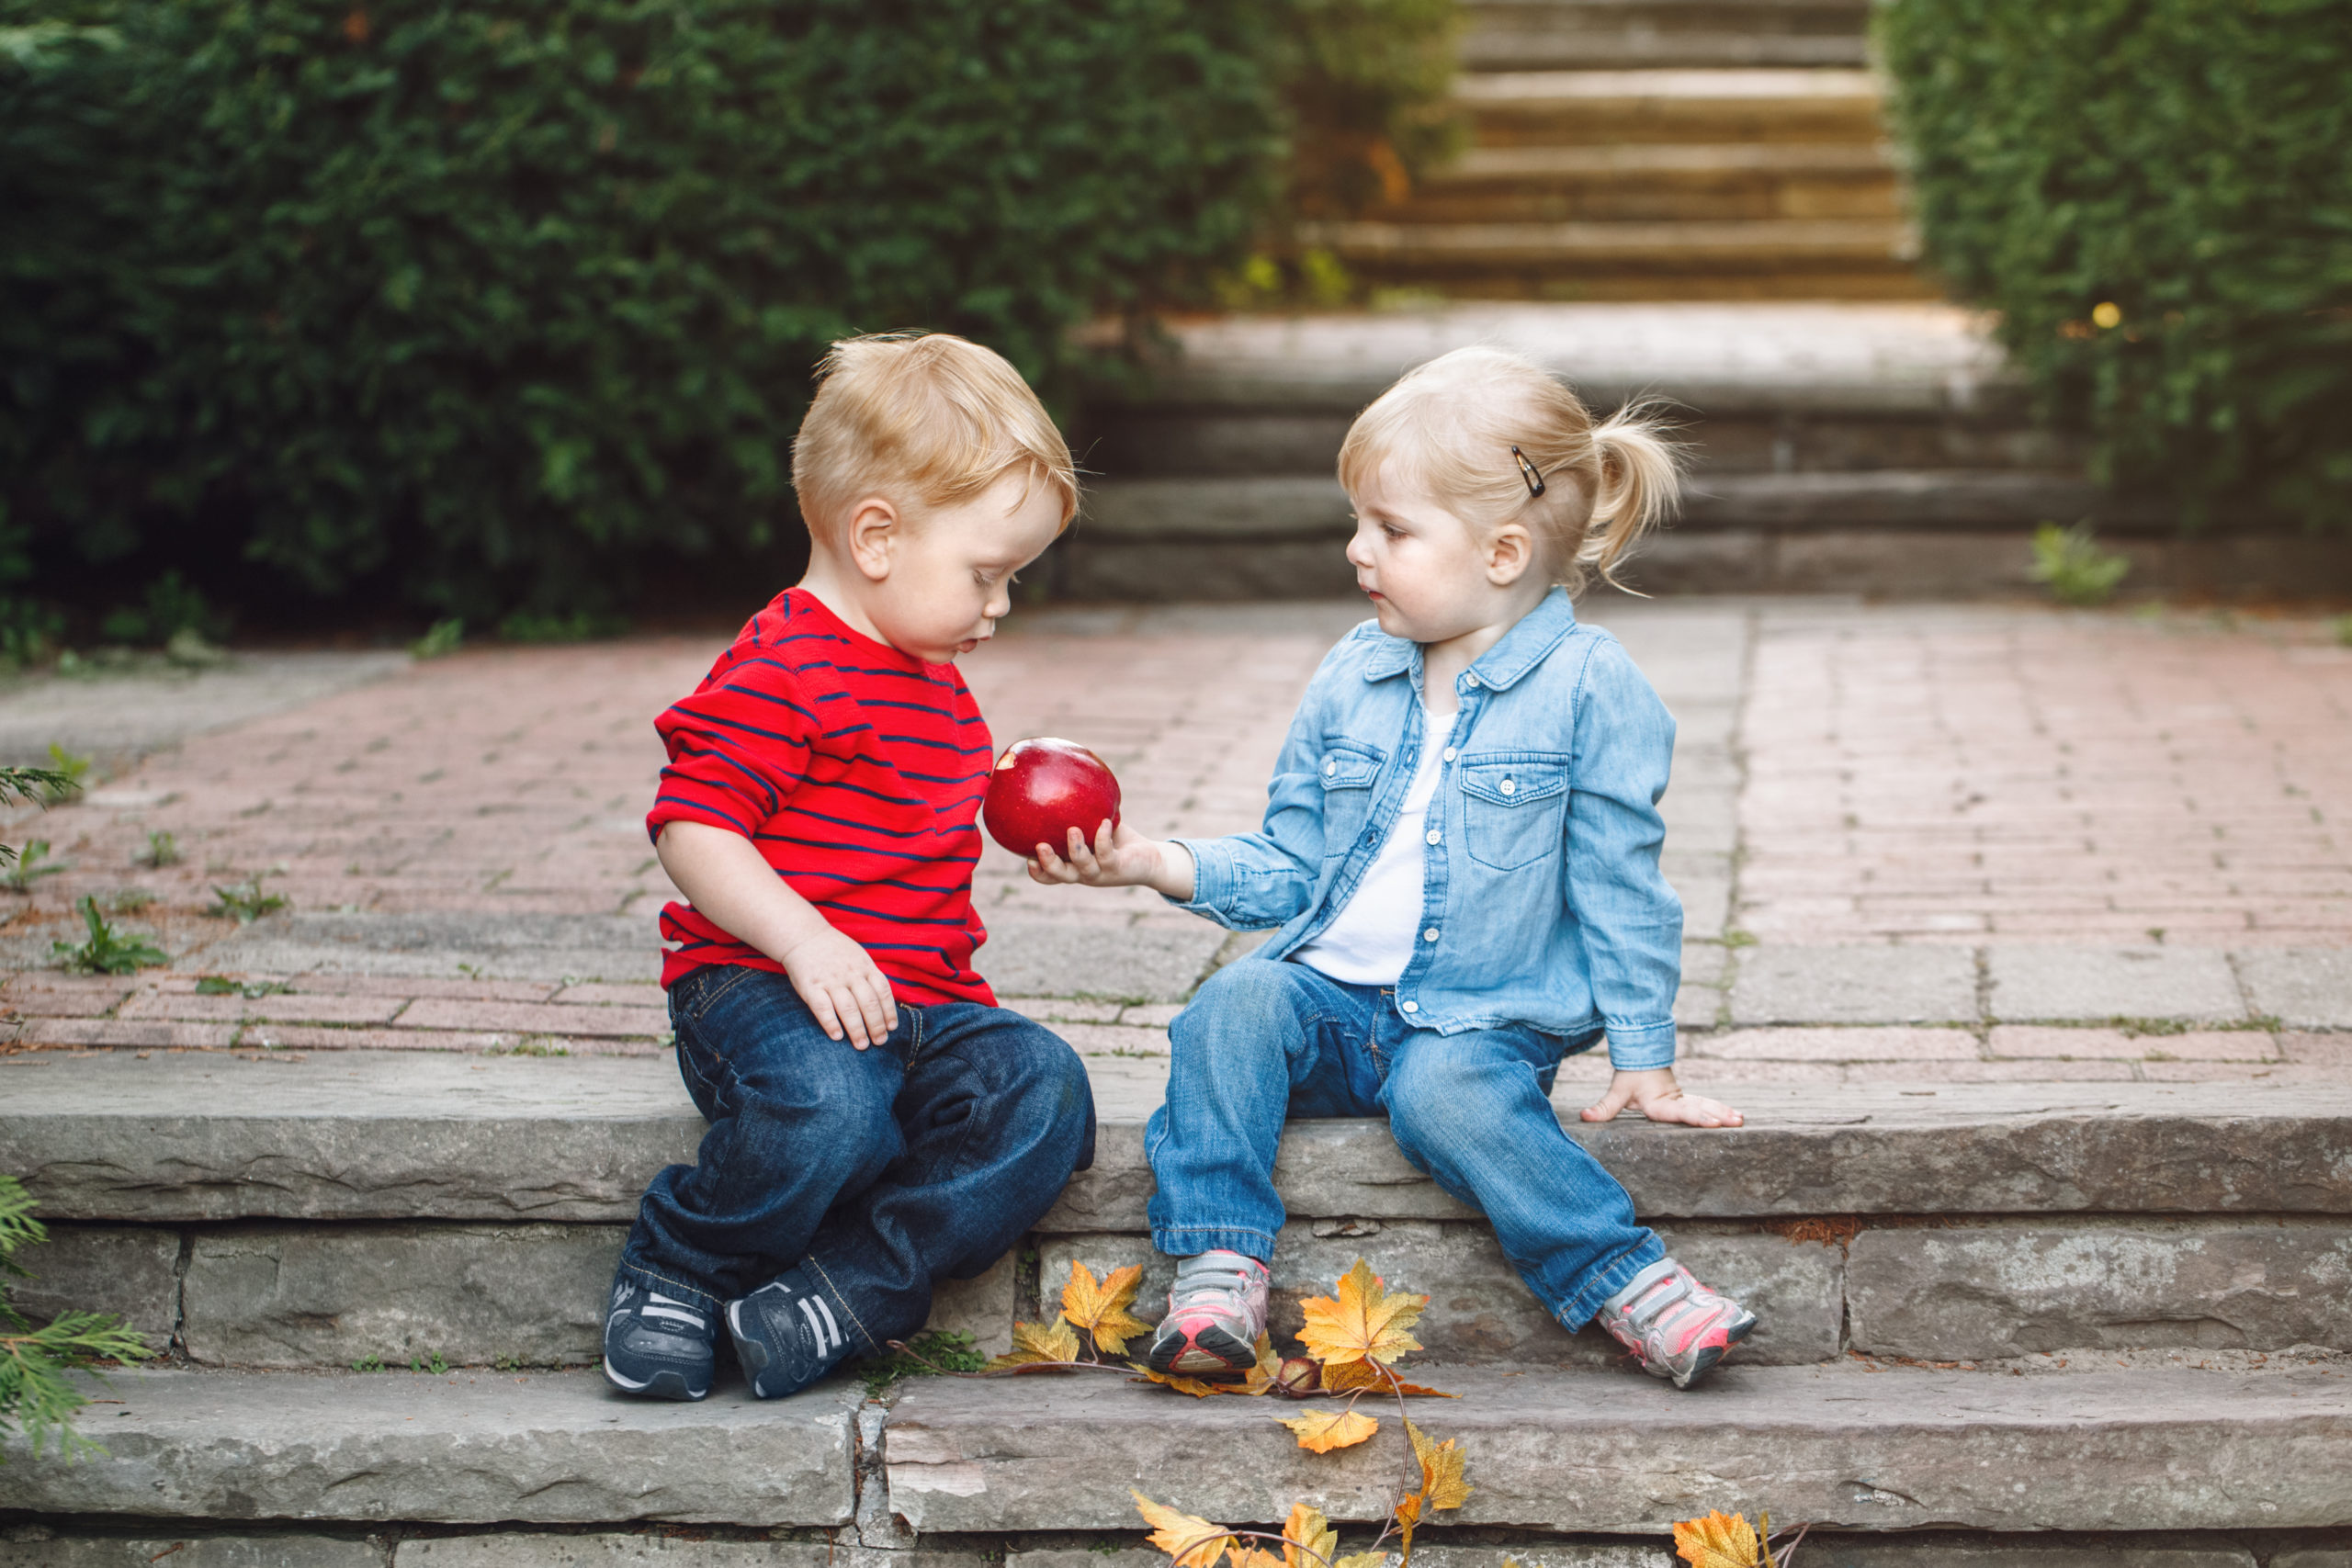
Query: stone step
x=1670, y=181
x=1553, y=108
x=463, y=1447
x=1855, y=1447
x=1520, y=34
x=1742, y=247
x=319, y=1212
x=1852, y=1446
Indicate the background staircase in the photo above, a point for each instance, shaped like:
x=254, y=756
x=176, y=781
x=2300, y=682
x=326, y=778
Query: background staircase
x=2006, y=1325
x=1654, y=149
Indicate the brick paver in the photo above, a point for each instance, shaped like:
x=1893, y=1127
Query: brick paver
x=2111, y=845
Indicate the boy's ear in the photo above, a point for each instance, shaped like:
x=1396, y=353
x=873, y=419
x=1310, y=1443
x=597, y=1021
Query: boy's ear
x=874, y=532
x=1509, y=553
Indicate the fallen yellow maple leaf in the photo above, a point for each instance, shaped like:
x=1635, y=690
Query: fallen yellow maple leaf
x=1362, y=1560
x=1306, y=1537
x=1350, y=1376
x=1261, y=1377
x=1101, y=1308
x=1193, y=1543
x=1253, y=1557
x=1717, y=1540
x=1193, y=1386
x=1366, y=1321
x=1031, y=1345
x=1443, y=1464
x=1320, y=1431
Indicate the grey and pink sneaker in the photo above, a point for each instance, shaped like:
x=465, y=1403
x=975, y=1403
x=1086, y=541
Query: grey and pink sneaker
x=1216, y=1312
x=1674, y=1325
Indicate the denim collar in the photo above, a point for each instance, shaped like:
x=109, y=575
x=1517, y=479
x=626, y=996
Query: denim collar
x=1523, y=648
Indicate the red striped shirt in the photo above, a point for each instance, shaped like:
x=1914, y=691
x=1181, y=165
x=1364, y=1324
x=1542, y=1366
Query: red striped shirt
x=858, y=772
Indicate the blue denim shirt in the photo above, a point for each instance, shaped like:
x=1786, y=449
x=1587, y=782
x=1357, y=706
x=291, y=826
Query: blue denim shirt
x=1543, y=881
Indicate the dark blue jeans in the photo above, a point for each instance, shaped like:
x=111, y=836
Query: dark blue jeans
x=923, y=1158
x=1265, y=1040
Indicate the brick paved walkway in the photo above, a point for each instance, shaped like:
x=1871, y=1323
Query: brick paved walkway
x=1927, y=844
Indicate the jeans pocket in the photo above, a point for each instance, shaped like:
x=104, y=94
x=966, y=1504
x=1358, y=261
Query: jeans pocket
x=706, y=988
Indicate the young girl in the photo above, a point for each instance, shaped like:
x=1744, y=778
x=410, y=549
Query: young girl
x=1460, y=851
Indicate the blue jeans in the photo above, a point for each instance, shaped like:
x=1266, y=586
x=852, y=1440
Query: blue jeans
x=1265, y=1040
x=925, y=1158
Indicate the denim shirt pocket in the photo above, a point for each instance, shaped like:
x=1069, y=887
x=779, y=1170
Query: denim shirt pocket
x=1514, y=807
x=1347, y=769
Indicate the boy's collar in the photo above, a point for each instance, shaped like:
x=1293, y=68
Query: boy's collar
x=1531, y=638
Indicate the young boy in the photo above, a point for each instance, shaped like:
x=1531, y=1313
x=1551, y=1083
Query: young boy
x=877, y=1121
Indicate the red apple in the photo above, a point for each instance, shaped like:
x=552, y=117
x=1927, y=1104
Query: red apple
x=1041, y=789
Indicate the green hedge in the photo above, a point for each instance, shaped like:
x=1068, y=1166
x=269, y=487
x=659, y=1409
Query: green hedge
x=502, y=305
x=2156, y=195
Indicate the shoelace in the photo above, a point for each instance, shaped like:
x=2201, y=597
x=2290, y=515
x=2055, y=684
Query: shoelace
x=1196, y=1285
x=1644, y=1312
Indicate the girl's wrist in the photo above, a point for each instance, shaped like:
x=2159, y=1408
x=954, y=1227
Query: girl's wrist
x=1176, y=872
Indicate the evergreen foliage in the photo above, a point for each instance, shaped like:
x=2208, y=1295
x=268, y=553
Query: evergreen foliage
x=2157, y=196
x=490, y=305
x=35, y=1396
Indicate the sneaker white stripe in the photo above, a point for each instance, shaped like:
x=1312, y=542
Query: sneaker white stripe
x=678, y=1315
x=808, y=1311
x=828, y=1311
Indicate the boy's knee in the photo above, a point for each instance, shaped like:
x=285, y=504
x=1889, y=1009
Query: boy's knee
x=1247, y=1001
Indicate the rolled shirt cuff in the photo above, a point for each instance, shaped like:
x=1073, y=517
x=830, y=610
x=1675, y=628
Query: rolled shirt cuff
x=1637, y=1048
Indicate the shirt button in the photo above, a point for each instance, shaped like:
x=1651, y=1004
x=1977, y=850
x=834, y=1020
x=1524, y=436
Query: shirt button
x=1429, y=935
x=1435, y=835
x=1410, y=1007
x=1449, y=753
x=1331, y=768
x=1470, y=680
x=1510, y=788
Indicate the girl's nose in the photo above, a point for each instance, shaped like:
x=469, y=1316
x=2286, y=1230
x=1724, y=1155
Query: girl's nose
x=1357, y=554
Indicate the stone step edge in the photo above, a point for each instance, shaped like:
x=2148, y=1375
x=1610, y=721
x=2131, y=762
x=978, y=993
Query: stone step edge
x=1856, y=1446
x=1257, y=507
x=403, y=1135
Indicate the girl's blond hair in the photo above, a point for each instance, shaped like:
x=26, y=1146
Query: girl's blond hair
x=1450, y=426
x=928, y=419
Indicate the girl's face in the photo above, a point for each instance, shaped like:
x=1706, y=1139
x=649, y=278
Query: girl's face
x=1430, y=578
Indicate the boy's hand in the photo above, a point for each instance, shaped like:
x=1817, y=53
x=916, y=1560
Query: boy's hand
x=1659, y=1097
x=838, y=980
x=1119, y=857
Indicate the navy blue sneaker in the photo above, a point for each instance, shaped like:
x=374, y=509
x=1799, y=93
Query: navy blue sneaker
x=655, y=1345
x=786, y=1334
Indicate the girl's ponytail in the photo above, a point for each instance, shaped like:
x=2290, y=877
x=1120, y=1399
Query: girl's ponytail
x=1641, y=482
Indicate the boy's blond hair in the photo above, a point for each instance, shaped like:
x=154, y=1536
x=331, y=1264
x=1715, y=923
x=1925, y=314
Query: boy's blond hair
x=924, y=420
x=1450, y=426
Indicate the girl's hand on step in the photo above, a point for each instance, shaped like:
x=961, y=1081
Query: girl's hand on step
x=1119, y=857
x=1656, y=1095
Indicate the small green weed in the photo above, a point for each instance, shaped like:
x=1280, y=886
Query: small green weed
x=245, y=902
x=173, y=609
x=2071, y=564
x=508, y=1363
x=31, y=863
x=528, y=1048
x=580, y=626
x=221, y=986
x=163, y=849
x=441, y=637
x=436, y=1366
x=65, y=772
x=949, y=1349
x=127, y=900
x=368, y=1364
x=106, y=951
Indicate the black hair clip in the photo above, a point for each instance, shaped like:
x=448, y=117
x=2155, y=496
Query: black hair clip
x=1529, y=472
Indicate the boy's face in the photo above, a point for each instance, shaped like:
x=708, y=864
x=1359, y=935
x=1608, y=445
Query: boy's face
x=947, y=577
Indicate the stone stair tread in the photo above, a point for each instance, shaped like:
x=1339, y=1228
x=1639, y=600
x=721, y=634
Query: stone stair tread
x=1850, y=1445
x=459, y=1447
x=1690, y=242
x=1623, y=160
x=1499, y=89
x=1634, y=48
x=1883, y=357
x=419, y=1135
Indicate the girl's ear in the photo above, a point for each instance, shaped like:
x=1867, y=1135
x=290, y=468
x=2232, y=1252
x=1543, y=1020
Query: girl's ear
x=873, y=530
x=1510, y=553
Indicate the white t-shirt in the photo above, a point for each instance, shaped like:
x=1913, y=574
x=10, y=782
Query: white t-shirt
x=1371, y=940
